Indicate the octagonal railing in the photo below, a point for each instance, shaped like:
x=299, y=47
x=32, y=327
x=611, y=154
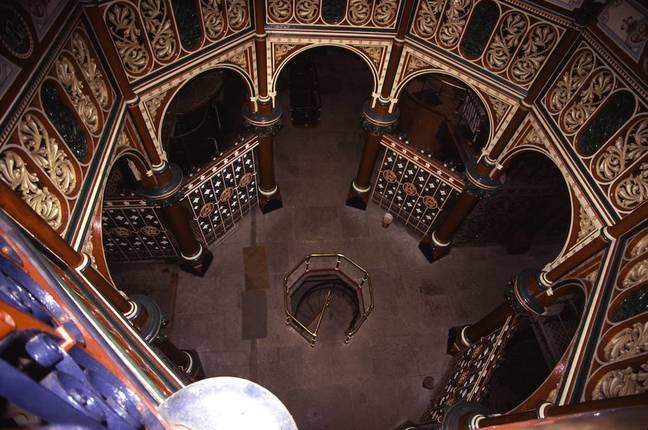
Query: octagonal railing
x=326, y=274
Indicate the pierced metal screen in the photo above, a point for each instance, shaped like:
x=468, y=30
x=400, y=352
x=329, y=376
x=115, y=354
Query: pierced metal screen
x=412, y=187
x=224, y=191
x=133, y=231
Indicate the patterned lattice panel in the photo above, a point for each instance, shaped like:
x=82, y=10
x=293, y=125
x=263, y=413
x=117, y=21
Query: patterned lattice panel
x=134, y=233
x=412, y=188
x=223, y=193
x=471, y=372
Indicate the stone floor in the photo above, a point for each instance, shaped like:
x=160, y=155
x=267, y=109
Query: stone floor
x=374, y=382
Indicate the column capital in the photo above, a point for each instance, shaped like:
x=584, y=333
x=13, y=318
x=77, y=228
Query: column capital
x=263, y=124
x=376, y=123
x=478, y=185
x=165, y=193
x=520, y=296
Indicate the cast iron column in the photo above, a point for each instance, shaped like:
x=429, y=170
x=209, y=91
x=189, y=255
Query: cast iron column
x=379, y=117
x=437, y=244
x=264, y=119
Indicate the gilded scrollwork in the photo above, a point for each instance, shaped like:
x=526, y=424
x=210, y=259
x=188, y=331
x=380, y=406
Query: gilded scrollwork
x=281, y=50
x=159, y=29
x=499, y=107
x=640, y=248
x=124, y=28
x=628, y=342
x=533, y=53
x=306, y=10
x=237, y=14
x=571, y=81
x=506, y=40
x=427, y=17
x=280, y=10
x=622, y=382
x=374, y=53
x=636, y=275
x=625, y=150
x=213, y=19
x=14, y=172
x=456, y=17
x=87, y=110
x=90, y=70
x=359, y=11
x=384, y=13
x=587, y=101
x=633, y=190
x=153, y=104
x=45, y=151
x=585, y=224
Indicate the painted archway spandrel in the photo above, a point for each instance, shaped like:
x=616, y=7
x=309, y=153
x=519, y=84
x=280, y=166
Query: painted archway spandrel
x=153, y=105
x=500, y=109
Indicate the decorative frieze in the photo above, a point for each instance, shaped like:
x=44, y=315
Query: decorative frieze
x=622, y=382
x=628, y=342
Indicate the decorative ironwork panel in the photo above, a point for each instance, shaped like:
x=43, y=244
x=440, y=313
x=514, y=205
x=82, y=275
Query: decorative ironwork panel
x=412, y=187
x=223, y=192
x=134, y=232
x=471, y=372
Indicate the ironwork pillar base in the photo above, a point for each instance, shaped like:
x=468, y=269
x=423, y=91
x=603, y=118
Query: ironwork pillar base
x=357, y=198
x=197, y=264
x=154, y=321
x=193, y=368
x=432, y=250
x=270, y=201
x=456, y=342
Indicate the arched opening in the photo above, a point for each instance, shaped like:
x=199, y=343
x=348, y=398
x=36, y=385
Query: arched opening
x=320, y=145
x=204, y=118
x=444, y=118
x=533, y=351
x=530, y=213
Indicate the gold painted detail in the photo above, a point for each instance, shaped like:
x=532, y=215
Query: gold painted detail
x=622, y=382
x=153, y=105
x=237, y=14
x=123, y=140
x=279, y=10
x=500, y=108
x=46, y=153
x=374, y=53
x=456, y=16
x=409, y=188
x=625, y=150
x=636, y=275
x=226, y=194
x=504, y=43
x=359, y=11
x=74, y=88
x=281, y=50
x=150, y=230
x=430, y=202
x=90, y=70
x=427, y=17
x=384, y=13
x=585, y=223
x=88, y=249
x=628, y=342
x=633, y=190
x=121, y=232
x=213, y=19
x=414, y=64
x=246, y=180
x=240, y=60
x=571, y=81
x=533, y=53
x=306, y=10
x=640, y=247
x=126, y=34
x=14, y=172
x=587, y=101
x=390, y=176
x=159, y=29
x=206, y=210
